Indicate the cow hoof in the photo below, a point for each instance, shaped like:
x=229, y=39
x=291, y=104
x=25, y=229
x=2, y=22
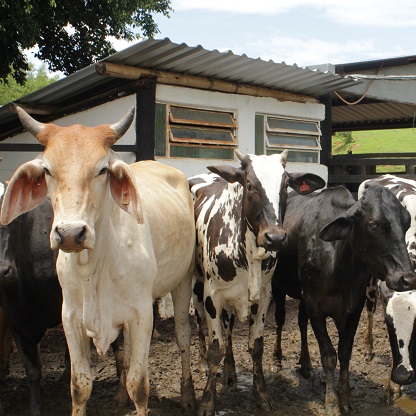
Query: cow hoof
x=265, y=402
x=276, y=366
x=332, y=410
x=229, y=378
x=305, y=372
x=122, y=398
x=206, y=410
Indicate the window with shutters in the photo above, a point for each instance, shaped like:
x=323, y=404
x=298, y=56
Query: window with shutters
x=300, y=136
x=196, y=133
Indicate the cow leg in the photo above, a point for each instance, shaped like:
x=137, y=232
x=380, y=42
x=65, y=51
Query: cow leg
x=329, y=362
x=392, y=391
x=371, y=303
x=229, y=374
x=345, y=343
x=198, y=301
x=121, y=396
x=79, y=351
x=305, y=359
x=214, y=355
x=138, y=333
x=6, y=342
x=280, y=317
x=28, y=350
x=258, y=316
x=181, y=297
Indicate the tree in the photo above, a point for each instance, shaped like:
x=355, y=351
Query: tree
x=35, y=80
x=342, y=142
x=72, y=34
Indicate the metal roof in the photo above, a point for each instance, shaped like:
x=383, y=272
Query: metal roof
x=372, y=116
x=370, y=113
x=80, y=89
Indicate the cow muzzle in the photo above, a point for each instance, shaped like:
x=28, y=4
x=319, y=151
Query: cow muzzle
x=272, y=239
x=401, y=281
x=8, y=274
x=72, y=238
x=403, y=376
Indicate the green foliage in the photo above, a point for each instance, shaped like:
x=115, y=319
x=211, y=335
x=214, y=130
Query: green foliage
x=72, y=34
x=36, y=79
x=342, y=142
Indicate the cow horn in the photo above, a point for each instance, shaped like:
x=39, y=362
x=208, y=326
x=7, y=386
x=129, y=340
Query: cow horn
x=240, y=155
x=283, y=157
x=29, y=123
x=121, y=126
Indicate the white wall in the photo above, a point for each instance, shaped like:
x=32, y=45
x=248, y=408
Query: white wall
x=245, y=108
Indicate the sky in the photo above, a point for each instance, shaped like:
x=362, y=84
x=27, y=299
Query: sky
x=302, y=32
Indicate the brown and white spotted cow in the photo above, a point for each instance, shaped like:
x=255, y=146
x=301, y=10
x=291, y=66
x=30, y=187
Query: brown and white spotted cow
x=399, y=308
x=239, y=214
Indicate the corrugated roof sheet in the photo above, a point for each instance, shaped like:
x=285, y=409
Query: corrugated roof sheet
x=372, y=116
x=165, y=55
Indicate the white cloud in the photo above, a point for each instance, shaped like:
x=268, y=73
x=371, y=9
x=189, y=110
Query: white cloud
x=354, y=12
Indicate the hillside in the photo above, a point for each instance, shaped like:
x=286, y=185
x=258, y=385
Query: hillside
x=376, y=141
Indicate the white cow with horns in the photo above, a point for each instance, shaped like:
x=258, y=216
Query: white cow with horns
x=125, y=235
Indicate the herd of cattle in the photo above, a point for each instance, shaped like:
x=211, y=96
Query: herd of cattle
x=92, y=242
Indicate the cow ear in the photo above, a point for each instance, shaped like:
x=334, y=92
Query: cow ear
x=124, y=189
x=26, y=190
x=337, y=229
x=305, y=183
x=229, y=173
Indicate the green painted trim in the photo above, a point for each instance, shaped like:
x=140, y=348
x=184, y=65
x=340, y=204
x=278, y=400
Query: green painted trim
x=160, y=130
x=259, y=135
x=201, y=152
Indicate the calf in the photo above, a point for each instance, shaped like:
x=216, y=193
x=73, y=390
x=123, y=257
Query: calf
x=125, y=235
x=239, y=214
x=397, y=306
x=335, y=244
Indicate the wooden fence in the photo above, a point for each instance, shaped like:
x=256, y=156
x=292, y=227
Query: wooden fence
x=352, y=169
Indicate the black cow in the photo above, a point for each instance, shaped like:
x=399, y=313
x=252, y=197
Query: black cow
x=335, y=245
x=30, y=293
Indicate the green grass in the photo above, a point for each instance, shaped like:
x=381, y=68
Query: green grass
x=378, y=141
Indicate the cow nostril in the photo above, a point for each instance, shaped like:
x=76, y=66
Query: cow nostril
x=82, y=234
x=405, y=282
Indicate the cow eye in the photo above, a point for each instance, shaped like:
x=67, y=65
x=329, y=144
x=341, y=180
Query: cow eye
x=375, y=226
x=103, y=171
x=46, y=170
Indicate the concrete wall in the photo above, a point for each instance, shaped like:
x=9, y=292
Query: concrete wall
x=245, y=108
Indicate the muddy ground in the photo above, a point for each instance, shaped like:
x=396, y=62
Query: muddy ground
x=292, y=394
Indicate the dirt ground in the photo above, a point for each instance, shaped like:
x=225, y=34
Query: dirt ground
x=292, y=394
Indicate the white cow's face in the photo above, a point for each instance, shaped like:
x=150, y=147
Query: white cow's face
x=78, y=171
x=76, y=166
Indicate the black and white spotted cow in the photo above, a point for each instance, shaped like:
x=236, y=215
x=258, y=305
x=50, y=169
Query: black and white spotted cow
x=400, y=308
x=239, y=214
x=335, y=244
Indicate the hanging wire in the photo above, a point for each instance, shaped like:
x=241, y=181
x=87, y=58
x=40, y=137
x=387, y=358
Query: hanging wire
x=364, y=95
